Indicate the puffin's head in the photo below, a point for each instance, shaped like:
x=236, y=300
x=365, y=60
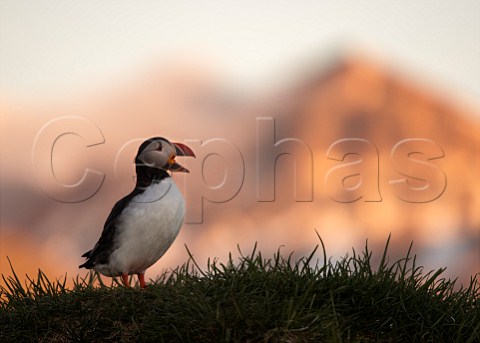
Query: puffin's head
x=158, y=152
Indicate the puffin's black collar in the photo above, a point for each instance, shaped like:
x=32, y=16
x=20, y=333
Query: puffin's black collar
x=148, y=175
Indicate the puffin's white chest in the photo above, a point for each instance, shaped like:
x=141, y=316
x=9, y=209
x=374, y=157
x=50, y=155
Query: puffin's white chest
x=148, y=226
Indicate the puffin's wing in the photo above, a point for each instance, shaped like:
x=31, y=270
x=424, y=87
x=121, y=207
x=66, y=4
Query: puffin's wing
x=105, y=245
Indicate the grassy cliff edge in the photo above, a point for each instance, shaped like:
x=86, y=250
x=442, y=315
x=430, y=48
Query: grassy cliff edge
x=254, y=299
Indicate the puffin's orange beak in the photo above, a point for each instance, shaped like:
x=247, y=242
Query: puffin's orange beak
x=181, y=150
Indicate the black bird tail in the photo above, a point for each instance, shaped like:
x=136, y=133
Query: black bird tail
x=89, y=263
x=87, y=254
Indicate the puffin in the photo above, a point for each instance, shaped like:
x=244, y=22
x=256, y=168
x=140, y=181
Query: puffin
x=143, y=225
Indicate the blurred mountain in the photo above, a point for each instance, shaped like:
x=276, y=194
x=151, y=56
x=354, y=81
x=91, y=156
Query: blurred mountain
x=334, y=131
x=359, y=99
x=372, y=127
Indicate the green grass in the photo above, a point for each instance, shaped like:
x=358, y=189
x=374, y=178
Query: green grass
x=254, y=299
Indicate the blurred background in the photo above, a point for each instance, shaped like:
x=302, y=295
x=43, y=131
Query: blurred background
x=82, y=83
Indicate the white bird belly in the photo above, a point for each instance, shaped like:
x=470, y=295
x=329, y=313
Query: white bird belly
x=148, y=227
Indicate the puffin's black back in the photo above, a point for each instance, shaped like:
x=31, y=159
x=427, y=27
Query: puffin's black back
x=106, y=244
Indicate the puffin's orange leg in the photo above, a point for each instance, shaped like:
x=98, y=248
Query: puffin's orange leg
x=141, y=279
x=125, y=280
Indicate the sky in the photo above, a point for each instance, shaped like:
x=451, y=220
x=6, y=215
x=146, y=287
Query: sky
x=49, y=46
